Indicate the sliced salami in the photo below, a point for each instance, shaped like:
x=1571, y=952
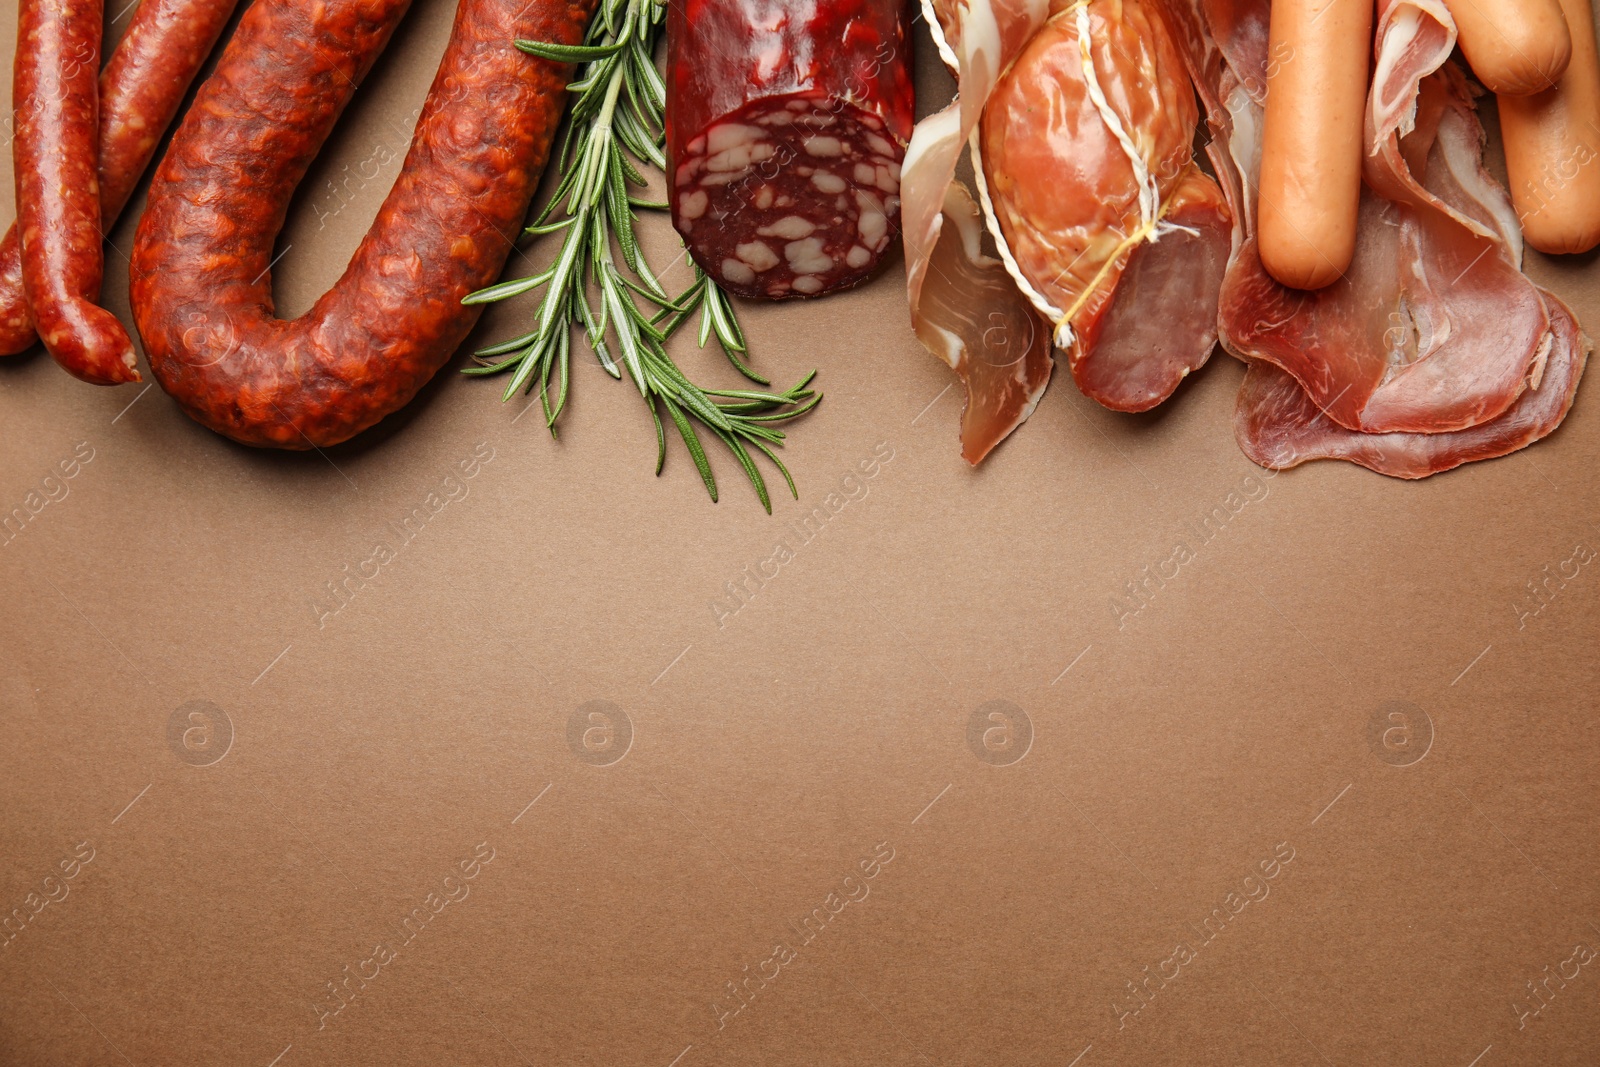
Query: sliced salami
x=786, y=126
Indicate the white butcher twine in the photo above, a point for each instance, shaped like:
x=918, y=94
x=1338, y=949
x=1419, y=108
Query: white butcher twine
x=1149, y=196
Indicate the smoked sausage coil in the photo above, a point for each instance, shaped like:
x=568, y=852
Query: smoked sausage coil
x=56, y=93
x=201, y=286
x=141, y=88
x=786, y=126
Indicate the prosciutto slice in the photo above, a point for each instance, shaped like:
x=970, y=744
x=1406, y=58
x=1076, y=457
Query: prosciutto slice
x=1278, y=426
x=1434, y=332
x=959, y=295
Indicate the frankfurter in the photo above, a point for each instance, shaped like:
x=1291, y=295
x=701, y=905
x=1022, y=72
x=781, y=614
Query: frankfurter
x=56, y=93
x=141, y=88
x=1311, y=143
x=1552, y=143
x=201, y=285
x=1515, y=47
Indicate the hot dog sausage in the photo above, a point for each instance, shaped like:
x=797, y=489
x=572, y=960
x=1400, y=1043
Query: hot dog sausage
x=141, y=89
x=1311, y=143
x=1553, y=148
x=1515, y=47
x=56, y=95
x=786, y=125
x=201, y=287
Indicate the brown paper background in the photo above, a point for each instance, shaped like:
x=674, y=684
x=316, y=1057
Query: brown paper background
x=371, y=755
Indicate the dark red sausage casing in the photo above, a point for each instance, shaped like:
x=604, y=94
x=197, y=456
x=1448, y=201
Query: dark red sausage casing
x=56, y=92
x=141, y=88
x=787, y=122
x=201, y=286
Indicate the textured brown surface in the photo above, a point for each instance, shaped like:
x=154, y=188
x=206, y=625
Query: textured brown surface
x=1242, y=715
x=58, y=193
x=201, y=273
x=141, y=87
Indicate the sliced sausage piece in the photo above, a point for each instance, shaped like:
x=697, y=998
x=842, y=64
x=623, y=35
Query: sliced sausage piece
x=56, y=93
x=1515, y=47
x=201, y=285
x=786, y=126
x=1311, y=144
x=1552, y=145
x=141, y=88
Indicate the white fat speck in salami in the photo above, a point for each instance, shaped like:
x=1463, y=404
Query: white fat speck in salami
x=807, y=257
x=692, y=205
x=828, y=183
x=790, y=228
x=824, y=147
x=737, y=272
x=764, y=195
x=758, y=255
x=873, y=226
x=808, y=284
x=740, y=156
x=726, y=135
x=857, y=257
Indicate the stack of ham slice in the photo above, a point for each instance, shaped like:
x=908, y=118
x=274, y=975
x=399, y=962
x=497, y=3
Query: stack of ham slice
x=1433, y=351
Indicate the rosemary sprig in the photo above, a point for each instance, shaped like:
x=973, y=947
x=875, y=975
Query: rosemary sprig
x=618, y=117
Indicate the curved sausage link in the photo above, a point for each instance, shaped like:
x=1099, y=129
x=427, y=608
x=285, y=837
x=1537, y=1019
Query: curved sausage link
x=141, y=89
x=201, y=289
x=56, y=94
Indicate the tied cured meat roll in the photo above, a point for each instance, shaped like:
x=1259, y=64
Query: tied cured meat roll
x=786, y=127
x=1109, y=226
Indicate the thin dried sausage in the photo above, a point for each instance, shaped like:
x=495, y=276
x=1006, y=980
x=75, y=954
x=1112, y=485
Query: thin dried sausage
x=56, y=93
x=141, y=88
x=201, y=282
x=786, y=125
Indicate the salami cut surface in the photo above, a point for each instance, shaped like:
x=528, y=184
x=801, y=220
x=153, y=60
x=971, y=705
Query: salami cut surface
x=786, y=127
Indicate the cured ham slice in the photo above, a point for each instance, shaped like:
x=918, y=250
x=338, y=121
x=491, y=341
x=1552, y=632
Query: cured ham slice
x=957, y=294
x=1162, y=323
x=973, y=320
x=1087, y=149
x=1434, y=328
x=1278, y=426
x=1430, y=352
